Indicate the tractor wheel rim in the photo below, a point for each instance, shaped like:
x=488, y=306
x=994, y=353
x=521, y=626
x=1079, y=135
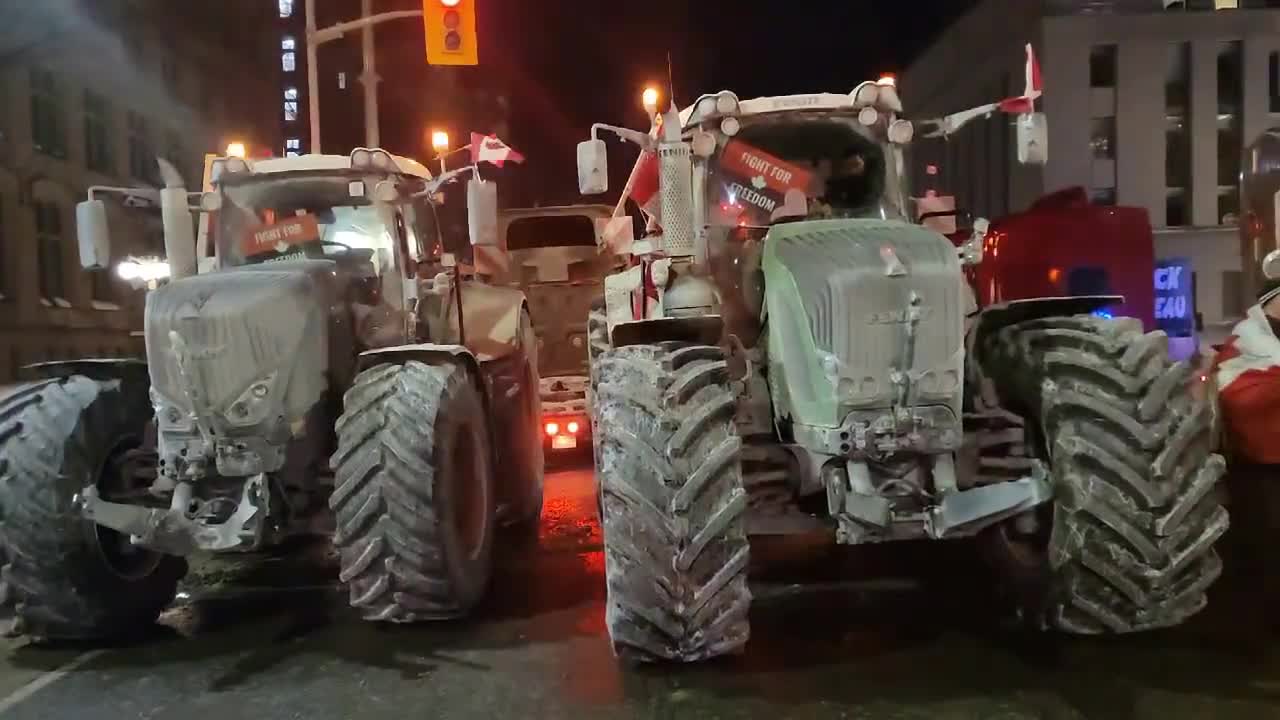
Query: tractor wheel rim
x=119, y=554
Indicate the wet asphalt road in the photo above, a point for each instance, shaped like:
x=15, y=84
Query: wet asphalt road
x=272, y=639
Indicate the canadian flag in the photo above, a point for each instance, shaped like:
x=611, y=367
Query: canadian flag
x=488, y=148
x=1034, y=88
x=644, y=183
x=1247, y=372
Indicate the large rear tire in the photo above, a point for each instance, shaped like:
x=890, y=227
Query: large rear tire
x=66, y=577
x=414, y=495
x=1135, y=514
x=676, y=549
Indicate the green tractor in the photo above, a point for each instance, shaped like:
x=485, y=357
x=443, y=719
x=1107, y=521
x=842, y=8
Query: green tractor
x=789, y=351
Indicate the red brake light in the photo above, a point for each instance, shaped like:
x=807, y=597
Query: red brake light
x=552, y=428
x=573, y=427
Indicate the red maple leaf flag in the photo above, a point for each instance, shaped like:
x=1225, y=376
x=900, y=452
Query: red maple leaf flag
x=1026, y=102
x=644, y=182
x=488, y=148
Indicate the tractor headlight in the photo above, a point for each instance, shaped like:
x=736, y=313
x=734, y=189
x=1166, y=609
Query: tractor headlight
x=254, y=404
x=169, y=416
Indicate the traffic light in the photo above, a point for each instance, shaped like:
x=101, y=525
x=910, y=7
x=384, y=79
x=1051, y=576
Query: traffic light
x=451, y=32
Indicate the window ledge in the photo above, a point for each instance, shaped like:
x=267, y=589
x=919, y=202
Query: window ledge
x=55, y=302
x=104, y=305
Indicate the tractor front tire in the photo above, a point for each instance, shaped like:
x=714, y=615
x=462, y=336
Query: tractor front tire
x=414, y=495
x=65, y=577
x=676, y=549
x=1135, y=514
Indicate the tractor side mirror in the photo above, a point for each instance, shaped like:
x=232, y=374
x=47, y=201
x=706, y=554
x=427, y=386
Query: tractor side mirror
x=593, y=167
x=92, y=234
x=1271, y=265
x=616, y=234
x=1033, y=139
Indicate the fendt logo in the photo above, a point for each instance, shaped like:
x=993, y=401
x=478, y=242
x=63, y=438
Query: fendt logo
x=897, y=317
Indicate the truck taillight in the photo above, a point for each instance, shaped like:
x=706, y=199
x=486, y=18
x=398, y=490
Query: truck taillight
x=552, y=429
x=573, y=427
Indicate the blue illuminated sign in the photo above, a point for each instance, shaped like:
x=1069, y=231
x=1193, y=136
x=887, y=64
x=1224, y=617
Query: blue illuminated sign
x=1175, y=301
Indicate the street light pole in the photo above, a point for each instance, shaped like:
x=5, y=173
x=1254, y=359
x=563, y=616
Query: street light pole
x=369, y=77
x=313, y=78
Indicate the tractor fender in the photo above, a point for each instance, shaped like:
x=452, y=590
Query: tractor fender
x=429, y=353
x=135, y=380
x=992, y=318
x=491, y=319
x=701, y=329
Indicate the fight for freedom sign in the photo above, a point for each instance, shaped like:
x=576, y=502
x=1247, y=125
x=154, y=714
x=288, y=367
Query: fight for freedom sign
x=282, y=240
x=761, y=180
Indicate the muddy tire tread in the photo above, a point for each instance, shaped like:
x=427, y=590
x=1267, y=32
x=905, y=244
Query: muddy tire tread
x=390, y=529
x=1135, y=515
x=676, y=550
x=54, y=435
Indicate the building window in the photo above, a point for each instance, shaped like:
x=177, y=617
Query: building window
x=1233, y=304
x=1102, y=112
x=4, y=271
x=1102, y=66
x=46, y=115
x=292, y=147
x=1103, y=196
x=142, y=163
x=101, y=285
x=1102, y=139
x=342, y=81
x=49, y=252
x=1230, y=133
x=288, y=43
x=97, y=133
x=1273, y=80
x=286, y=8
x=1177, y=94
x=291, y=104
x=288, y=61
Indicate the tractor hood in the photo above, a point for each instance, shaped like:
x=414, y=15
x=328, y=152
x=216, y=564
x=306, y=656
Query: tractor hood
x=862, y=315
x=238, y=357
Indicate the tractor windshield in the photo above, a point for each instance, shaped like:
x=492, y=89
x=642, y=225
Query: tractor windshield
x=799, y=168
x=286, y=218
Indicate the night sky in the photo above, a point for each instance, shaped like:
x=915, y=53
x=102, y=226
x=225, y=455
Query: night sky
x=569, y=63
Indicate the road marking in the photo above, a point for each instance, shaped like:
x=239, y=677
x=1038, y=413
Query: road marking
x=45, y=680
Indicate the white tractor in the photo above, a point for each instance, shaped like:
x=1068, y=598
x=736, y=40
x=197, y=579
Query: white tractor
x=297, y=338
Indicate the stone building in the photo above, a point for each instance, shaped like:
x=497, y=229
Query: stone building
x=91, y=91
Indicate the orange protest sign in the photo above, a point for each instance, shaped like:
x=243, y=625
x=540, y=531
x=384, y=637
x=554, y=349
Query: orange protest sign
x=280, y=237
x=763, y=171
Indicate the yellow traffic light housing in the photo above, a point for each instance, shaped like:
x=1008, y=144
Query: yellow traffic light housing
x=451, y=32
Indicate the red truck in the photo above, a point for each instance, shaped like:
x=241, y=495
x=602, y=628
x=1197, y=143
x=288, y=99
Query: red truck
x=1064, y=246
